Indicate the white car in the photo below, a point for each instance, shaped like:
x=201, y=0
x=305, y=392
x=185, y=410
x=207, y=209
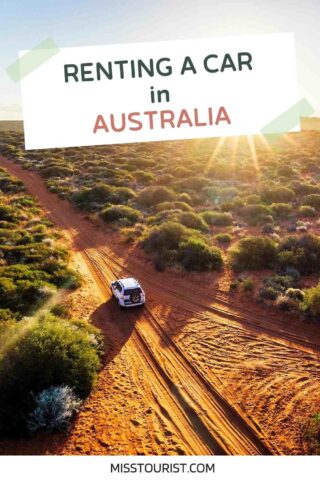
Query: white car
x=128, y=292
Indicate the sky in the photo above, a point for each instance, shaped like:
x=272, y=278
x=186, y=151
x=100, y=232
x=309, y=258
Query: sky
x=25, y=23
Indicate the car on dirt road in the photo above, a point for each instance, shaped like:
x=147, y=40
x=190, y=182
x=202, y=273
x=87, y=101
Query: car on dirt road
x=128, y=292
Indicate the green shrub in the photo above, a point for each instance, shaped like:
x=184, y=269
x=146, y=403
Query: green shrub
x=256, y=213
x=302, y=253
x=268, y=293
x=306, y=211
x=281, y=210
x=311, y=434
x=224, y=238
x=56, y=171
x=217, y=219
x=39, y=355
x=313, y=200
x=165, y=237
x=253, y=253
x=151, y=196
x=247, y=285
x=144, y=177
x=311, y=301
x=277, y=194
x=192, y=220
x=126, y=215
x=196, y=255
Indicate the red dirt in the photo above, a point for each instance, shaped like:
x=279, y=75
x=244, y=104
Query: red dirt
x=194, y=372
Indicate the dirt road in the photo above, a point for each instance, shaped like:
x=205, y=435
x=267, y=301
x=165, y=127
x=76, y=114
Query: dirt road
x=170, y=382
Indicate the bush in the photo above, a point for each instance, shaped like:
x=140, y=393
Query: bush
x=39, y=354
x=281, y=210
x=173, y=243
x=151, y=196
x=165, y=237
x=224, y=238
x=54, y=409
x=295, y=293
x=302, y=253
x=185, y=207
x=313, y=200
x=217, y=218
x=268, y=293
x=196, y=255
x=144, y=177
x=306, y=211
x=56, y=171
x=127, y=215
x=311, y=434
x=253, y=253
x=311, y=301
x=192, y=220
x=277, y=194
x=247, y=285
x=256, y=213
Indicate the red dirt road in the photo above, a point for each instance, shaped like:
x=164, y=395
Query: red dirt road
x=189, y=373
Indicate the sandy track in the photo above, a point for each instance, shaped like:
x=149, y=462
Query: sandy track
x=197, y=414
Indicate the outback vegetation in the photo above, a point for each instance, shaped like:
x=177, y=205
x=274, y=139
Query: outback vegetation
x=199, y=207
x=48, y=361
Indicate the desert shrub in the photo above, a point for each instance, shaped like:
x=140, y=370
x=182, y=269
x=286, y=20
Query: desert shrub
x=253, y=199
x=165, y=237
x=279, y=282
x=151, y=196
x=253, y=253
x=102, y=194
x=281, y=210
x=247, y=285
x=62, y=309
x=172, y=242
x=192, y=220
x=286, y=171
x=311, y=301
x=165, y=179
x=144, y=177
x=286, y=303
x=121, y=195
x=7, y=213
x=311, y=434
x=302, y=253
x=10, y=184
x=54, y=408
x=180, y=171
x=126, y=215
x=185, y=198
x=131, y=234
x=295, y=293
x=256, y=213
x=197, y=255
x=56, y=171
x=185, y=207
x=268, y=293
x=306, y=211
x=193, y=183
x=99, y=194
x=37, y=355
x=277, y=194
x=6, y=315
x=218, y=219
x=224, y=238
x=313, y=200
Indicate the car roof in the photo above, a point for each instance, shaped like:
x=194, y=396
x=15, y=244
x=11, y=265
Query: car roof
x=129, y=282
